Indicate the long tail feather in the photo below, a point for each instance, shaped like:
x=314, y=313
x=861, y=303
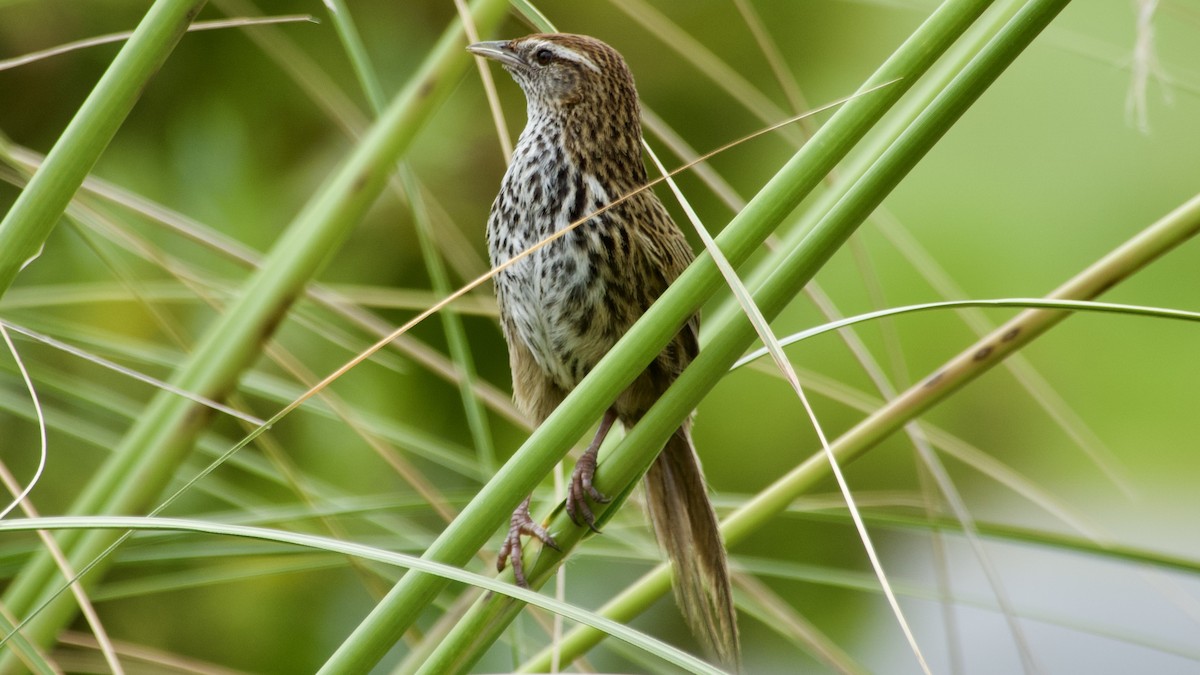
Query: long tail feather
x=686, y=526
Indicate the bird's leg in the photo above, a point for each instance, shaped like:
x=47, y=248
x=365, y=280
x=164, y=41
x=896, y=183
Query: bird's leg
x=521, y=523
x=581, y=487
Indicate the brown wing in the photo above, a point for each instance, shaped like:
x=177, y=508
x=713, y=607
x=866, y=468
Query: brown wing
x=668, y=255
x=659, y=255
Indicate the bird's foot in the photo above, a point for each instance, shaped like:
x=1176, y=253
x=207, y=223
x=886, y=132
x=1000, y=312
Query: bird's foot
x=521, y=523
x=581, y=489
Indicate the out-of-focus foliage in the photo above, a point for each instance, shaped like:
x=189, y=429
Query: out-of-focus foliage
x=1045, y=174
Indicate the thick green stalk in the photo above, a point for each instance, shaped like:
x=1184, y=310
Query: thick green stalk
x=42, y=202
x=551, y=441
x=736, y=334
x=149, y=455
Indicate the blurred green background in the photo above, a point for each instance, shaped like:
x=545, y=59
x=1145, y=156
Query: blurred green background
x=1049, y=171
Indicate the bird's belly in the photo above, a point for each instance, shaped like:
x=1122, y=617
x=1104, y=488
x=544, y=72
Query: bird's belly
x=555, y=305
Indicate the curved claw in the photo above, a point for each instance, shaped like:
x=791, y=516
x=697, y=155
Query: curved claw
x=521, y=523
x=581, y=489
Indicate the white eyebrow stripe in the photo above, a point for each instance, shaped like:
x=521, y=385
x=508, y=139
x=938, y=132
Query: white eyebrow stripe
x=570, y=55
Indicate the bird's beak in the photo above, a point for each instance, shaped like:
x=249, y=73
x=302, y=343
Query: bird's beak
x=498, y=50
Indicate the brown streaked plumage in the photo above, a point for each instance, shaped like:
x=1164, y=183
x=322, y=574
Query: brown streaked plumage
x=563, y=307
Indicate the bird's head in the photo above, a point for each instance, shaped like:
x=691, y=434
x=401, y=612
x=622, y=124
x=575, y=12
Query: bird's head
x=560, y=71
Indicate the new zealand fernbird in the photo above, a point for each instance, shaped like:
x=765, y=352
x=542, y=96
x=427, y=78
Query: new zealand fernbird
x=563, y=307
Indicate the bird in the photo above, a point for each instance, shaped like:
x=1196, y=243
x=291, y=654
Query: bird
x=564, y=306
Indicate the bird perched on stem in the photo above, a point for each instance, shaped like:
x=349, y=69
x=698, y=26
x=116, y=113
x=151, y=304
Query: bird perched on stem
x=563, y=307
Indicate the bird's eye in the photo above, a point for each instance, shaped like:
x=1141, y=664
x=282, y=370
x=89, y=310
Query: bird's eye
x=543, y=56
